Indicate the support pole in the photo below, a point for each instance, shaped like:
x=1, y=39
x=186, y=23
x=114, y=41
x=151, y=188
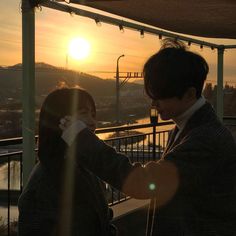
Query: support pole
x=28, y=88
x=220, y=86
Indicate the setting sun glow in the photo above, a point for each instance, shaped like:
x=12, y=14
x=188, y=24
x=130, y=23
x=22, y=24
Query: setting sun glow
x=79, y=48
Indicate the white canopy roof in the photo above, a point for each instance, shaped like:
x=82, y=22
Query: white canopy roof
x=205, y=18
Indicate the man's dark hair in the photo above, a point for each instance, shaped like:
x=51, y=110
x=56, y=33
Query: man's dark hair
x=174, y=69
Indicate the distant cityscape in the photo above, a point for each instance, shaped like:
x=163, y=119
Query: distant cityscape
x=134, y=102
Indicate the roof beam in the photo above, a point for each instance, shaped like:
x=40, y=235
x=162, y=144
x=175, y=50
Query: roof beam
x=135, y=26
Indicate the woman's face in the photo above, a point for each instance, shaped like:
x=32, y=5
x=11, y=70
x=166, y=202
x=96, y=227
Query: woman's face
x=88, y=115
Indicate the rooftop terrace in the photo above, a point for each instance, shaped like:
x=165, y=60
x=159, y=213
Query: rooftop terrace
x=130, y=215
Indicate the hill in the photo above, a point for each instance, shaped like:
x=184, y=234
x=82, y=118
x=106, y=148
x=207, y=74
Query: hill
x=49, y=77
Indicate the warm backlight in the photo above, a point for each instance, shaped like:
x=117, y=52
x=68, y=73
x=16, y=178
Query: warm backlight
x=79, y=48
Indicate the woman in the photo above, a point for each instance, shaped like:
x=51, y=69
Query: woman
x=61, y=197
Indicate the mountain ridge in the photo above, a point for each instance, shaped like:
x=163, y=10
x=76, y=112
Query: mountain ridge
x=49, y=77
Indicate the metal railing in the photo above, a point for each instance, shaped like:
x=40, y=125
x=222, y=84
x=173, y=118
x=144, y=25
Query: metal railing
x=138, y=145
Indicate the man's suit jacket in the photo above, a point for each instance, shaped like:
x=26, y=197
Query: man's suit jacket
x=205, y=202
x=194, y=182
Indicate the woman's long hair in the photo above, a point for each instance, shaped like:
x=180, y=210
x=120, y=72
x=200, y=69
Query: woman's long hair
x=58, y=104
x=61, y=165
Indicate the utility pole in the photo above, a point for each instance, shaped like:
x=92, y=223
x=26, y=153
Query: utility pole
x=118, y=90
x=126, y=76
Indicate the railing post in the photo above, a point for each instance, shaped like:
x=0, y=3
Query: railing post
x=28, y=88
x=154, y=142
x=220, y=86
x=8, y=194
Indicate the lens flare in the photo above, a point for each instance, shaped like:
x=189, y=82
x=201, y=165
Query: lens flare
x=152, y=186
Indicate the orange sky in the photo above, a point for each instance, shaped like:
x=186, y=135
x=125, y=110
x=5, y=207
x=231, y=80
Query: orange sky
x=55, y=29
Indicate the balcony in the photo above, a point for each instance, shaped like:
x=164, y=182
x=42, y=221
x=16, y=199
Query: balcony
x=141, y=143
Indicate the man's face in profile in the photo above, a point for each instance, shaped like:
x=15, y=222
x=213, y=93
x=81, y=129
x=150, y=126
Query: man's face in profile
x=169, y=108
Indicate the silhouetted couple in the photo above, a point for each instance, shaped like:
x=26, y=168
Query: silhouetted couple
x=192, y=187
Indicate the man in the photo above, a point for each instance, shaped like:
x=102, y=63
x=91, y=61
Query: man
x=193, y=185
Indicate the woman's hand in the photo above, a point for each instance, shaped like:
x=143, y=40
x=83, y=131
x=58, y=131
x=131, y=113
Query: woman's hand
x=65, y=122
x=72, y=125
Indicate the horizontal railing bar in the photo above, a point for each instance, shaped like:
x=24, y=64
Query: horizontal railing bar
x=8, y=154
x=125, y=137
x=130, y=127
x=229, y=118
x=132, y=136
x=13, y=141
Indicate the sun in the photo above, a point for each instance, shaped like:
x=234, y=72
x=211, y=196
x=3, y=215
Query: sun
x=79, y=48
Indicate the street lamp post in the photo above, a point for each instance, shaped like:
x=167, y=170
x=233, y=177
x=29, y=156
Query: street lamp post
x=154, y=122
x=118, y=90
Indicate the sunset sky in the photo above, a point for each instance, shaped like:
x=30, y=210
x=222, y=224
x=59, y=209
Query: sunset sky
x=54, y=30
